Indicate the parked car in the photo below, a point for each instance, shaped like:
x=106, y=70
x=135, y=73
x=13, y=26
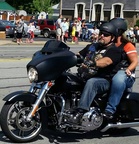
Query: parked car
x=8, y=27
x=89, y=27
x=47, y=27
x=97, y=23
x=12, y=21
x=2, y=28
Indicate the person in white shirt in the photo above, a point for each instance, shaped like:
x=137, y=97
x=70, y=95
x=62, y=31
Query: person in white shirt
x=78, y=29
x=95, y=34
x=30, y=33
x=131, y=35
x=64, y=28
x=58, y=28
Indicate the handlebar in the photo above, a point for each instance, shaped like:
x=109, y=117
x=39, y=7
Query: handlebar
x=80, y=59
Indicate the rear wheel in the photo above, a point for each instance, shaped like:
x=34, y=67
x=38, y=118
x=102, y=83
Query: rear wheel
x=14, y=122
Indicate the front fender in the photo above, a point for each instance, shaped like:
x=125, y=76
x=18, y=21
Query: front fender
x=21, y=96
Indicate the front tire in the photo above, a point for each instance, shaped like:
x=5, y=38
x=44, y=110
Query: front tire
x=15, y=125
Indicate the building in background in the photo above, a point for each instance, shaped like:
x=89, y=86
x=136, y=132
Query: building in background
x=97, y=10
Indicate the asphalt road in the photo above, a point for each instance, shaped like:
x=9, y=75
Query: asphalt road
x=13, y=77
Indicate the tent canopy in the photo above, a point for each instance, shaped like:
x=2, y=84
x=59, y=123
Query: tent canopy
x=4, y=6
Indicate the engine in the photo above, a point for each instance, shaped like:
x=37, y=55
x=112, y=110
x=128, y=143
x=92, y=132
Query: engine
x=92, y=120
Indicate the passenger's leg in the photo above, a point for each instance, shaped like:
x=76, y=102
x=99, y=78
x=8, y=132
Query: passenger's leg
x=118, y=87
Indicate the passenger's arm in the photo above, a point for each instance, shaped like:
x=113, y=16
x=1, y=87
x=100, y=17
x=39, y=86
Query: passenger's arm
x=133, y=58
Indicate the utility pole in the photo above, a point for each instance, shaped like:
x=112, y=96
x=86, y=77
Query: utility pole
x=60, y=7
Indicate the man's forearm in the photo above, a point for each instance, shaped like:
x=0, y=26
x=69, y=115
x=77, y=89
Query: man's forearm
x=103, y=62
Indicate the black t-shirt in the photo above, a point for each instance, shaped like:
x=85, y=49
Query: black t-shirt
x=114, y=53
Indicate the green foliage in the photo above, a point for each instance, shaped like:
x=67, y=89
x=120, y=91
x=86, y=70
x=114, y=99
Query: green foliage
x=33, y=6
x=137, y=22
x=42, y=5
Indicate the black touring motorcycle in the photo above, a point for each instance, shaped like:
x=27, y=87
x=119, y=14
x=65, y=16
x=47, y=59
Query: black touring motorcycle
x=54, y=90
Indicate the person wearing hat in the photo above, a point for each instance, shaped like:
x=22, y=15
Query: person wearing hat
x=108, y=56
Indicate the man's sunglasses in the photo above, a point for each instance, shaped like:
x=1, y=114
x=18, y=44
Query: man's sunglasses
x=105, y=34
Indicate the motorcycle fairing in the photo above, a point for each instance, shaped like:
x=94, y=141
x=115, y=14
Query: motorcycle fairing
x=50, y=67
x=68, y=82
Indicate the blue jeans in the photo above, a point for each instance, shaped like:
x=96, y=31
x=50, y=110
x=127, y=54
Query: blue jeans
x=83, y=34
x=119, y=83
x=93, y=87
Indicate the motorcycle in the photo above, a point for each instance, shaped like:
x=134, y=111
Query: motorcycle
x=53, y=92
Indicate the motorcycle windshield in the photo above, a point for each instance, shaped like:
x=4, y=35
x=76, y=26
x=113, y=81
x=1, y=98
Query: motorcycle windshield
x=50, y=67
x=52, y=46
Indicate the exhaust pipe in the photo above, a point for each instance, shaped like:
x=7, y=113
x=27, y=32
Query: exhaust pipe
x=120, y=125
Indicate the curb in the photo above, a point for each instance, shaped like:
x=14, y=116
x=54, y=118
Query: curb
x=36, y=43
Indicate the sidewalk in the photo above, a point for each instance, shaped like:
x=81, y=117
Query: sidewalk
x=9, y=42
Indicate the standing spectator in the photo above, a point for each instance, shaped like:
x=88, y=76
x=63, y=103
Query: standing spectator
x=95, y=34
x=30, y=33
x=73, y=32
x=32, y=19
x=20, y=28
x=84, y=30
x=67, y=32
x=131, y=35
x=64, y=29
x=136, y=32
x=78, y=30
x=58, y=28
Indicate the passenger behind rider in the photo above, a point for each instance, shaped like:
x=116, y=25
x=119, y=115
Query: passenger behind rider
x=125, y=77
x=110, y=57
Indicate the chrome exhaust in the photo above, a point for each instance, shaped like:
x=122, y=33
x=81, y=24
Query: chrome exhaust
x=120, y=125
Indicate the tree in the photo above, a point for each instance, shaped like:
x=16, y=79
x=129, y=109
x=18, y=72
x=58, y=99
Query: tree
x=43, y=5
x=22, y=5
x=137, y=22
x=33, y=6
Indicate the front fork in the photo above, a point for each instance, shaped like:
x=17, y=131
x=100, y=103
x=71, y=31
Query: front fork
x=43, y=90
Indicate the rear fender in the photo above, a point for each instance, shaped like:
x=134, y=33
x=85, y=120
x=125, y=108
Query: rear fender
x=21, y=95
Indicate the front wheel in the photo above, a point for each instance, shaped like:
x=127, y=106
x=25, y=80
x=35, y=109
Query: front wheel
x=14, y=122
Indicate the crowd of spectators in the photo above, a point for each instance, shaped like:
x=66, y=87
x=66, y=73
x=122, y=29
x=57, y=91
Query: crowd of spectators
x=77, y=29
x=133, y=34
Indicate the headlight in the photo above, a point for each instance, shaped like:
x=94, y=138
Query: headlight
x=32, y=75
